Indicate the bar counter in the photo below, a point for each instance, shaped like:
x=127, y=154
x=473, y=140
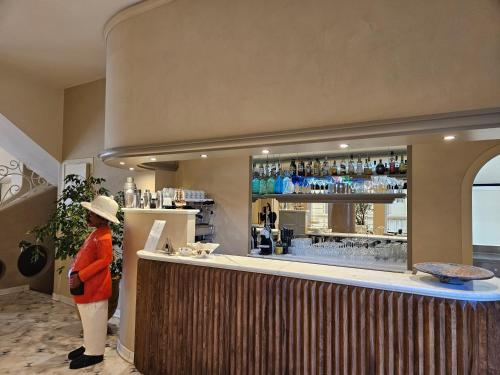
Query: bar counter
x=231, y=314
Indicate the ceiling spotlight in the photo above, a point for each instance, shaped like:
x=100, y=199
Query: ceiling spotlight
x=131, y=169
x=265, y=151
x=344, y=145
x=204, y=156
x=152, y=159
x=449, y=137
x=122, y=163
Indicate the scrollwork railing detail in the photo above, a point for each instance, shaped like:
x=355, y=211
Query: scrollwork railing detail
x=27, y=180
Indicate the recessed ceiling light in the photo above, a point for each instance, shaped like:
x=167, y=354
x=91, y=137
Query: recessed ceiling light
x=122, y=163
x=449, y=137
x=204, y=156
x=152, y=159
x=131, y=169
x=344, y=145
x=265, y=151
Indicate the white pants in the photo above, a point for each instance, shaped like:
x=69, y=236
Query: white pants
x=95, y=326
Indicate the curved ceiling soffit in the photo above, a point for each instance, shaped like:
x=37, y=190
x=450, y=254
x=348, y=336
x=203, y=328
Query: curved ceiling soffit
x=130, y=12
x=463, y=120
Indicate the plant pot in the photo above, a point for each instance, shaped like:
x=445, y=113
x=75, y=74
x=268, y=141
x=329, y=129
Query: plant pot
x=115, y=294
x=32, y=260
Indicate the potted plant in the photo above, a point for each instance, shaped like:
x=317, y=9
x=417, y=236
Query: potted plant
x=68, y=229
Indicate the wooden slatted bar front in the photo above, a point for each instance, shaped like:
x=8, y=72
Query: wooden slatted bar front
x=202, y=320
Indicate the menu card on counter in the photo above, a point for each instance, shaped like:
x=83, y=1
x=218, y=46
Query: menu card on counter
x=157, y=236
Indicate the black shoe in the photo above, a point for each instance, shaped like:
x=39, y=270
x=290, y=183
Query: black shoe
x=85, y=361
x=76, y=353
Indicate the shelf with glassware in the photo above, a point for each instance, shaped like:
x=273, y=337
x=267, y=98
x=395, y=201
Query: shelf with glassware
x=307, y=180
x=315, y=181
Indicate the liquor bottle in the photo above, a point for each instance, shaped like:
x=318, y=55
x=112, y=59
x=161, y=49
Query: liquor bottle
x=256, y=181
x=392, y=164
x=334, y=170
x=374, y=167
x=343, y=169
x=308, y=171
x=367, y=170
x=278, y=184
x=380, y=168
x=403, y=168
x=359, y=166
x=301, y=168
x=292, y=169
x=396, y=165
x=351, y=169
x=286, y=182
x=261, y=170
x=263, y=183
x=316, y=168
x=270, y=182
x=325, y=168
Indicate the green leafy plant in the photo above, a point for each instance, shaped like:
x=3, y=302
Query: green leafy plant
x=67, y=226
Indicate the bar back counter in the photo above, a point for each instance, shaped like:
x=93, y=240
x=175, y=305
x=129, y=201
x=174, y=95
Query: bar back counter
x=241, y=315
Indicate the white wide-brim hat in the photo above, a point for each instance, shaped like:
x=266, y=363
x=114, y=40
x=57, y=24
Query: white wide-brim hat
x=103, y=206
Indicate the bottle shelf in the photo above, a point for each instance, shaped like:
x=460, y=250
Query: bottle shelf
x=360, y=176
x=384, y=198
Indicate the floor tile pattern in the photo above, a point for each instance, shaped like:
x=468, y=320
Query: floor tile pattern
x=36, y=334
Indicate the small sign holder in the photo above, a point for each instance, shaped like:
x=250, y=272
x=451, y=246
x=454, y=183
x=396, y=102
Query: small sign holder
x=157, y=238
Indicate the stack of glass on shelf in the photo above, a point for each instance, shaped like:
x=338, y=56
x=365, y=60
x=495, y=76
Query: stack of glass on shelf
x=316, y=177
x=360, y=251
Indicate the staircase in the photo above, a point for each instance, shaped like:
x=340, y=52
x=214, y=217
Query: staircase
x=26, y=201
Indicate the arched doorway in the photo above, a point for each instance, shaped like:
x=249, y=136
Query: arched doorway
x=466, y=200
x=486, y=216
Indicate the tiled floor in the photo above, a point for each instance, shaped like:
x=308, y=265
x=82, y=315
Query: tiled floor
x=36, y=334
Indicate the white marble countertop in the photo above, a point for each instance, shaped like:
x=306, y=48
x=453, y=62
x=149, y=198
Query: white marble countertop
x=161, y=211
x=421, y=284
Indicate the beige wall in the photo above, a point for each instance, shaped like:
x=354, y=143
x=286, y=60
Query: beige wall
x=84, y=134
x=205, y=69
x=437, y=204
x=34, y=107
x=227, y=181
x=15, y=222
x=84, y=138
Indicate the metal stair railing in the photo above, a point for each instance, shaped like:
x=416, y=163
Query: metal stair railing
x=27, y=182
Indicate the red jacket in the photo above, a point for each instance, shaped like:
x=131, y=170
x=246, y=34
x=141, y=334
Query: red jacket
x=92, y=263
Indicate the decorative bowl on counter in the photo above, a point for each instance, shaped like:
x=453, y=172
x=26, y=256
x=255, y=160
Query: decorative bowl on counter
x=452, y=273
x=185, y=251
x=203, y=250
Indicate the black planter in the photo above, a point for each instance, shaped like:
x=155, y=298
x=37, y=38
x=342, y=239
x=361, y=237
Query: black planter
x=28, y=263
